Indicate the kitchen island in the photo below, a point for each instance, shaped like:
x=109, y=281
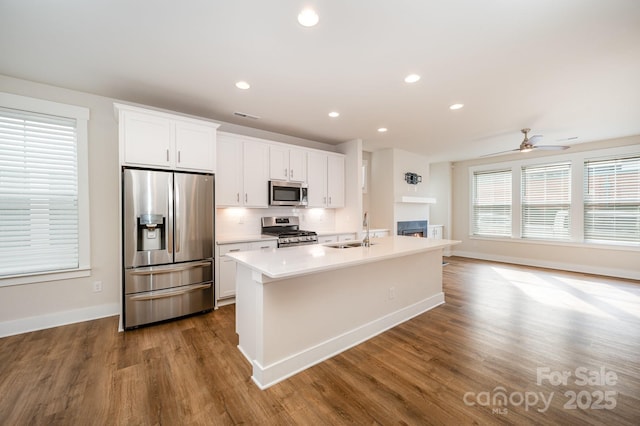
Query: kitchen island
x=298, y=306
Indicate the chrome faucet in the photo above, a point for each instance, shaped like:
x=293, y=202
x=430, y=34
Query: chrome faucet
x=365, y=223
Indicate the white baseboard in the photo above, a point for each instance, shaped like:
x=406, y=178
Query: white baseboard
x=266, y=376
x=56, y=319
x=585, y=269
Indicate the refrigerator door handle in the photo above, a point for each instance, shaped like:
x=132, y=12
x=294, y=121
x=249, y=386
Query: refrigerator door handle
x=163, y=295
x=170, y=208
x=177, y=215
x=151, y=271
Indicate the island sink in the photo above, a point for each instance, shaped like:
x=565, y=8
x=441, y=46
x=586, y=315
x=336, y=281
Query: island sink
x=298, y=306
x=345, y=245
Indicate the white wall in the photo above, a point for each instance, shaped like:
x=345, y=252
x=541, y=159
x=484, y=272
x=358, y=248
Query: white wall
x=35, y=306
x=349, y=218
x=381, y=205
x=366, y=205
x=40, y=305
x=440, y=177
x=388, y=186
x=588, y=258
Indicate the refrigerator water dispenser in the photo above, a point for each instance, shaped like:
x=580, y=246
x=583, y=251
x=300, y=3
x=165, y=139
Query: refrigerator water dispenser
x=151, y=235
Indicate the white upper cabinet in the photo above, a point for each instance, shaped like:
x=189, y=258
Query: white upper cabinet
x=287, y=164
x=325, y=177
x=195, y=146
x=229, y=171
x=158, y=139
x=317, y=179
x=335, y=181
x=256, y=174
x=243, y=172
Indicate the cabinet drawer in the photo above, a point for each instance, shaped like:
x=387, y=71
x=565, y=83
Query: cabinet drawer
x=328, y=239
x=230, y=248
x=152, y=306
x=258, y=245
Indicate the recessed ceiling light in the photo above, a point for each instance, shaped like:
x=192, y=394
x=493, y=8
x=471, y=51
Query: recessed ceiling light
x=334, y=114
x=382, y=129
x=308, y=18
x=243, y=85
x=456, y=106
x=411, y=78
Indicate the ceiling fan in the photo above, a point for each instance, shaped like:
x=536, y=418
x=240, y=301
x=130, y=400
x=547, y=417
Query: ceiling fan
x=529, y=144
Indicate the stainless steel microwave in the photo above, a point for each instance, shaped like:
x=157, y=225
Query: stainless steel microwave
x=287, y=193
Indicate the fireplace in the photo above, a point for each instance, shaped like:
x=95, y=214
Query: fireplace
x=413, y=228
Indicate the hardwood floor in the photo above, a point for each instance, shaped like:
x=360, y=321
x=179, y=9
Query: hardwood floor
x=500, y=324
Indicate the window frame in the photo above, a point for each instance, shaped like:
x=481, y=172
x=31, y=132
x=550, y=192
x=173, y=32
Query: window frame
x=598, y=159
x=548, y=205
x=81, y=115
x=577, y=160
x=474, y=205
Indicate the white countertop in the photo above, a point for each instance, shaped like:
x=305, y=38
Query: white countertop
x=231, y=239
x=301, y=260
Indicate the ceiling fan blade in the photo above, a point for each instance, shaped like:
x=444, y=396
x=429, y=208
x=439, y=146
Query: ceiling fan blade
x=499, y=153
x=551, y=147
x=535, y=139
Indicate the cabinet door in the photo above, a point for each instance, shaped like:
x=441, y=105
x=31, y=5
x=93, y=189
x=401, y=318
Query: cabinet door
x=435, y=232
x=195, y=147
x=148, y=140
x=227, y=270
x=298, y=165
x=229, y=172
x=335, y=181
x=278, y=163
x=317, y=179
x=227, y=280
x=256, y=174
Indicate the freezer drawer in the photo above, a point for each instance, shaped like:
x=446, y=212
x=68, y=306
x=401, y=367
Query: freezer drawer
x=161, y=277
x=153, y=306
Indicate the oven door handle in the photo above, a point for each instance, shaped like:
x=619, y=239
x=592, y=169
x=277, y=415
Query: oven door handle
x=163, y=295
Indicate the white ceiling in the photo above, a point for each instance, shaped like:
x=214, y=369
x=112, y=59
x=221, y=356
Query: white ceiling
x=565, y=68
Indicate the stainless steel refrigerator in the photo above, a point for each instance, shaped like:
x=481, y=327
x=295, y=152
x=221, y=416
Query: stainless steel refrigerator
x=168, y=245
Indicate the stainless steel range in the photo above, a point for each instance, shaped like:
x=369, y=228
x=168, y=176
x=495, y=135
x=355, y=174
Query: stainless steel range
x=286, y=228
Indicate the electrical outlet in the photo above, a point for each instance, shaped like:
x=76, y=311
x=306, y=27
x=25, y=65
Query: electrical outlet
x=97, y=286
x=392, y=293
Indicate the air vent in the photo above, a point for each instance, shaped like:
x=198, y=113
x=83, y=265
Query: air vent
x=245, y=115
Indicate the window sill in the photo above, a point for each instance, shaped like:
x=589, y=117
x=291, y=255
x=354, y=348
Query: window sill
x=598, y=246
x=45, y=276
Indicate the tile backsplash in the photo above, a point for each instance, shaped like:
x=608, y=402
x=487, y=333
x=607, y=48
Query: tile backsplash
x=239, y=221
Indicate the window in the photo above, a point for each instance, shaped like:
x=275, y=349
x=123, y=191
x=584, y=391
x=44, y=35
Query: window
x=612, y=200
x=492, y=203
x=546, y=201
x=43, y=188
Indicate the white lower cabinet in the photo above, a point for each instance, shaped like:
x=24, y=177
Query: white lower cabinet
x=324, y=239
x=226, y=268
x=347, y=237
x=334, y=238
x=435, y=231
x=378, y=233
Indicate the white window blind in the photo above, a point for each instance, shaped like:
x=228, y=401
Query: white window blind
x=546, y=201
x=492, y=203
x=39, y=227
x=612, y=200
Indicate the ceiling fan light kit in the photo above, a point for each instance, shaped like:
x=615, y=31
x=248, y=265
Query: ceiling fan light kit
x=530, y=144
